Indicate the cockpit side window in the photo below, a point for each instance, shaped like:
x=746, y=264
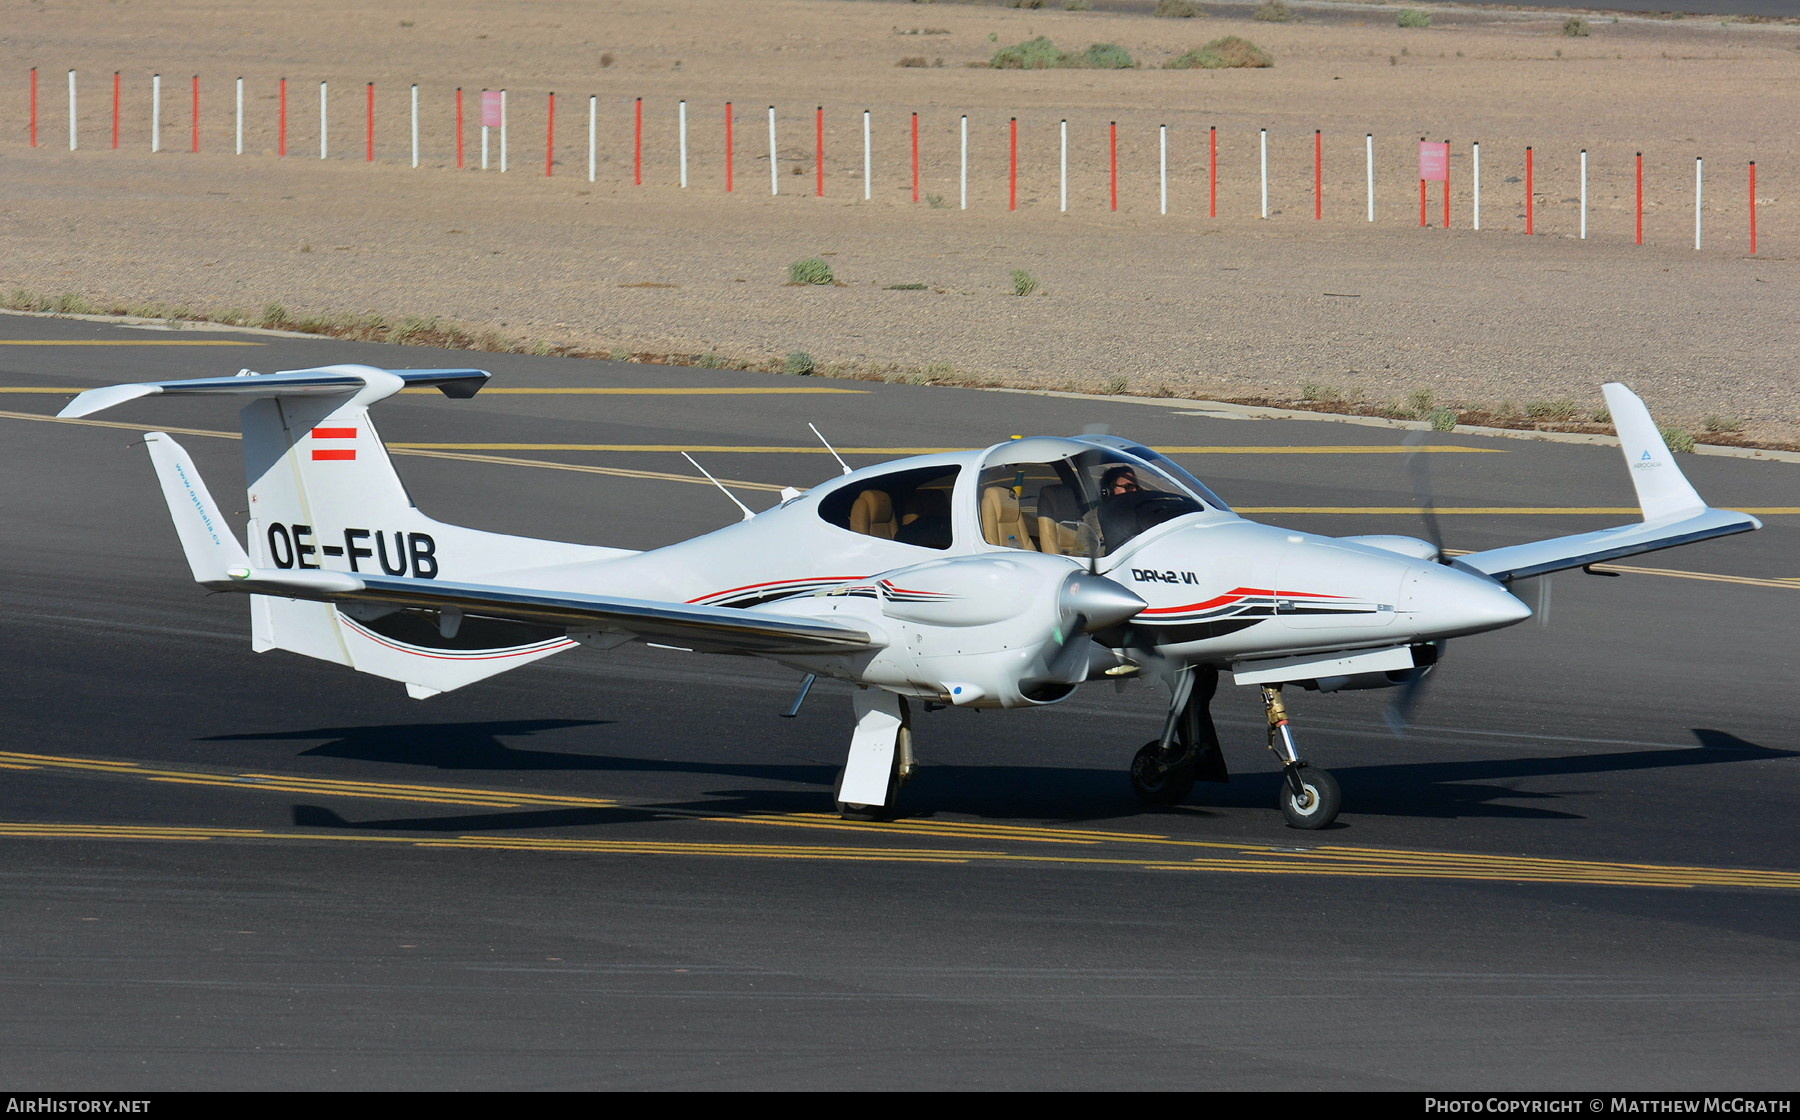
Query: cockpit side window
x=910, y=507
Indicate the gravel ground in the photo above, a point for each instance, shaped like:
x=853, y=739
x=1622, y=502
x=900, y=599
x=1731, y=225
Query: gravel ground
x=1233, y=306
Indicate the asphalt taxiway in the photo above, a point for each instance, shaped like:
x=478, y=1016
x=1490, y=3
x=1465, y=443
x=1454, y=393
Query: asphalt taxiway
x=228, y=870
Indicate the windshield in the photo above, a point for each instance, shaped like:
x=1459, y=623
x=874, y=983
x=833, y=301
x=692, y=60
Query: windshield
x=1164, y=464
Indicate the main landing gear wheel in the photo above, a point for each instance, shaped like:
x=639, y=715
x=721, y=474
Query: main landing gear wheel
x=856, y=811
x=883, y=726
x=1158, y=782
x=1309, y=797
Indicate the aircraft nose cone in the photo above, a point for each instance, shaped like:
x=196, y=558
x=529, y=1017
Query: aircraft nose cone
x=1444, y=602
x=1098, y=600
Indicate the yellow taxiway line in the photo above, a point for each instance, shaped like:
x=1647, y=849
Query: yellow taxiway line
x=397, y=449
x=670, y=391
x=121, y=342
x=896, y=452
x=1607, y=511
x=440, y=451
x=655, y=391
x=885, y=841
x=1242, y=859
x=291, y=783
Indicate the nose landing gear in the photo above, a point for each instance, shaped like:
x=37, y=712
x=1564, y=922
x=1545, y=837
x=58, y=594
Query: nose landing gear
x=1309, y=796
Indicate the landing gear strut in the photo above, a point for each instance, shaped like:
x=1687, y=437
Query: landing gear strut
x=1164, y=771
x=1309, y=796
x=881, y=757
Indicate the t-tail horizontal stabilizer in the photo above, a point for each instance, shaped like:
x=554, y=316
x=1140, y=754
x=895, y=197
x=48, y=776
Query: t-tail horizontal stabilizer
x=323, y=381
x=1674, y=513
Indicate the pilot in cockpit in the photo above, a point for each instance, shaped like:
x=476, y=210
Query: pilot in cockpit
x=1118, y=480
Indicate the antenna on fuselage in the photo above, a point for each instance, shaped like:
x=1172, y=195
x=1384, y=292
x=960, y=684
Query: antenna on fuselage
x=734, y=499
x=828, y=447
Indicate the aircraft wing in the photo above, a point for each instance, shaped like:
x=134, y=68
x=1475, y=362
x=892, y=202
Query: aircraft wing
x=713, y=629
x=1674, y=513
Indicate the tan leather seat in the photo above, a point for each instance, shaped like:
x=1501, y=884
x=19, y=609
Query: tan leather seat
x=926, y=519
x=873, y=515
x=1058, y=513
x=1001, y=521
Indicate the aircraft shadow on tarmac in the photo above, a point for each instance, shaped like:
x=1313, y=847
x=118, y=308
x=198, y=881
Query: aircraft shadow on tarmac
x=480, y=747
x=1440, y=789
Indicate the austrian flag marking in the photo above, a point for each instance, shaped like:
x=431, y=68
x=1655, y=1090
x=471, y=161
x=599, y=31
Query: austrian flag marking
x=333, y=452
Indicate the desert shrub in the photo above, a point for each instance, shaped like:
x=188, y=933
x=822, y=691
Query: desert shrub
x=1031, y=4
x=1033, y=54
x=1177, y=9
x=1041, y=54
x=1228, y=53
x=1024, y=283
x=1559, y=411
x=912, y=60
x=1679, y=440
x=812, y=270
x=799, y=364
x=1412, y=17
x=1275, y=11
x=1576, y=28
x=1105, y=56
x=1442, y=419
x=1722, y=425
x=1077, y=6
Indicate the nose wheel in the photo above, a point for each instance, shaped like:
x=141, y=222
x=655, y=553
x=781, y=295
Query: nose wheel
x=1309, y=796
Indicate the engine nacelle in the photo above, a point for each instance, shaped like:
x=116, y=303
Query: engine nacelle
x=996, y=630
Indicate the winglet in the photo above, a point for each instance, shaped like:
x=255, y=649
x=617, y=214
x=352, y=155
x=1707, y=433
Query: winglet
x=1674, y=513
x=211, y=548
x=1662, y=490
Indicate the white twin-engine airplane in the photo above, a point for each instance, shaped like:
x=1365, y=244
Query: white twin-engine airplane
x=1000, y=578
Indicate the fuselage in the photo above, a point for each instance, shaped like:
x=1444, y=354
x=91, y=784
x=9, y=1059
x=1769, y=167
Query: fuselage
x=1218, y=588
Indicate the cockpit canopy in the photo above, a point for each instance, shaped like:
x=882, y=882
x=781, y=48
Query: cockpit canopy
x=1069, y=497
x=1074, y=497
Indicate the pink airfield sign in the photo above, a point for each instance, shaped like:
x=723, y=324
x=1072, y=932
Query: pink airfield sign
x=1434, y=161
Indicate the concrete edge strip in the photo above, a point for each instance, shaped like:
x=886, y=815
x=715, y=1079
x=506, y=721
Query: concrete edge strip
x=1179, y=404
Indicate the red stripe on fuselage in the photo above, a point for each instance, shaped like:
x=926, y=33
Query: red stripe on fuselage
x=771, y=583
x=1235, y=595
